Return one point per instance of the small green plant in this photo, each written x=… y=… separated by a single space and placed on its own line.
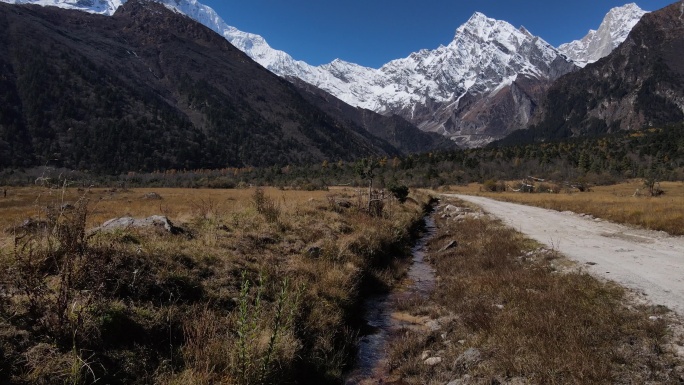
x=254 y=363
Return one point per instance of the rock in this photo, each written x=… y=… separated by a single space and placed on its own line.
x=433 y=325
x=152 y=196
x=448 y=246
x=461 y=381
x=432 y=361
x=29 y=226
x=156 y=221
x=468 y=359
x=451 y=208
x=425 y=355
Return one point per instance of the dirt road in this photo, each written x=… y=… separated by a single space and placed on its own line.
x=649 y=262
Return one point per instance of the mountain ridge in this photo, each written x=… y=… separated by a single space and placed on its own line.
x=472 y=99
x=113 y=94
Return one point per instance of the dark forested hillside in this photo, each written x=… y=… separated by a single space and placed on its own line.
x=150 y=89
x=640 y=84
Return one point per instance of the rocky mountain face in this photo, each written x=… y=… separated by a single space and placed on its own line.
x=597 y=44
x=641 y=83
x=149 y=88
x=394 y=129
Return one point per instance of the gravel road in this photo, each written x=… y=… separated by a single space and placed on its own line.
x=649 y=262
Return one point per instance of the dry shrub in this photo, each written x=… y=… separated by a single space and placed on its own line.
x=266 y=206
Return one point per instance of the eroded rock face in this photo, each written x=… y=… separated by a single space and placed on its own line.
x=638 y=85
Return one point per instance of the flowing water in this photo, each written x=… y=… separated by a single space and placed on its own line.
x=379 y=310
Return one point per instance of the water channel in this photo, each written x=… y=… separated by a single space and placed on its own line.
x=379 y=310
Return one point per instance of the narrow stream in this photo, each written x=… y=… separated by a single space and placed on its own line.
x=420 y=280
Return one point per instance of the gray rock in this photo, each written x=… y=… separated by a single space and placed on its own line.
x=152 y=196
x=461 y=381
x=468 y=359
x=29 y=226
x=153 y=222
x=432 y=361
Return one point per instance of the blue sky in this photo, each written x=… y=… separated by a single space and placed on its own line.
x=373 y=32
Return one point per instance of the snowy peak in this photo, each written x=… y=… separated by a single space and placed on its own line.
x=485 y=29
x=616 y=26
x=103 y=7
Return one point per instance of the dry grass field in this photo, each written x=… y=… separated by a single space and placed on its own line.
x=256 y=286
x=616 y=203
x=509 y=312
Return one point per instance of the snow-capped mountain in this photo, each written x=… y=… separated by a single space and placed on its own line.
x=103 y=7
x=599 y=43
x=480 y=87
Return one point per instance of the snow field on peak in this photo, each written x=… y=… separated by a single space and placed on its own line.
x=614 y=29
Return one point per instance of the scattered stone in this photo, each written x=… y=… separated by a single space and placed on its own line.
x=425 y=355
x=461 y=381
x=433 y=325
x=468 y=359
x=499 y=306
x=448 y=246
x=152 y=196
x=433 y=361
x=654 y=318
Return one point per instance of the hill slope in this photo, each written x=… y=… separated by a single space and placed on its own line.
x=150 y=89
x=640 y=84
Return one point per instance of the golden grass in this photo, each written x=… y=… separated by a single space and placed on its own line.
x=616 y=203
x=177 y=203
x=174 y=309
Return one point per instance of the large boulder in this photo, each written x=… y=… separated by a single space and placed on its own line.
x=157 y=222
